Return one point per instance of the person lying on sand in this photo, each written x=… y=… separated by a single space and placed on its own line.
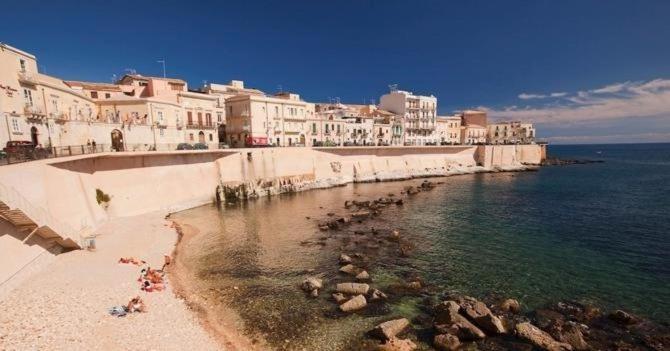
x=147 y=286
x=136 y=305
x=167 y=262
x=131 y=260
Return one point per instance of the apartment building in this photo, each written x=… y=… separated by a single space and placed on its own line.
x=473 y=127
x=419 y=115
x=513 y=132
x=260 y=120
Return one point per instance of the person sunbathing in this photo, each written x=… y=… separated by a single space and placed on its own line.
x=131 y=260
x=168 y=260
x=136 y=305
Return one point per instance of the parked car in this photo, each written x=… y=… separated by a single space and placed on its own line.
x=200 y=146
x=184 y=146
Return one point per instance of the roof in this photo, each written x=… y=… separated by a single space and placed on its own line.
x=141 y=77
x=93 y=85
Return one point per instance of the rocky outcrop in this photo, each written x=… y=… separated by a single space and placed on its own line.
x=345 y=259
x=396 y=344
x=540 y=338
x=312 y=285
x=390 y=329
x=448 y=320
x=348 y=269
x=355 y=303
x=352 y=288
x=510 y=305
x=446 y=342
x=622 y=317
x=482 y=316
x=363 y=275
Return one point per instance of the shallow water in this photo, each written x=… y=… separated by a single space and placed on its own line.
x=596 y=233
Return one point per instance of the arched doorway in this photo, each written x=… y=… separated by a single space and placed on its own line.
x=117 y=140
x=201 y=137
x=302 y=140
x=222 y=133
x=34 y=135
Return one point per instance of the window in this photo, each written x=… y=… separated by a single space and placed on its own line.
x=208 y=119
x=211 y=138
x=162 y=132
x=143 y=84
x=108 y=95
x=314 y=128
x=160 y=117
x=28 y=95
x=94 y=94
x=54 y=104
x=175 y=86
x=200 y=118
x=276 y=111
x=189 y=118
x=219 y=117
x=22 y=62
x=190 y=136
x=15 y=126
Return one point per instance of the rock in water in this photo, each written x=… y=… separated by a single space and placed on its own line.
x=344 y=259
x=377 y=295
x=339 y=298
x=348 y=269
x=483 y=317
x=446 y=342
x=356 y=303
x=352 y=288
x=363 y=275
x=447 y=319
x=540 y=338
x=510 y=305
x=396 y=344
x=571 y=333
x=311 y=283
x=622 y=317
x=390 y=329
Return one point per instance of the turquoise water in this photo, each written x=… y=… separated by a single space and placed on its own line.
x=595 y=233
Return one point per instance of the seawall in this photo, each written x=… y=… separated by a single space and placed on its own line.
x=63 y=191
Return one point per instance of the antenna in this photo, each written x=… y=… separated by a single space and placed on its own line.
x=162 y=62
x=393 y=87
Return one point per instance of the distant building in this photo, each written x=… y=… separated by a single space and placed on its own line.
x=418 y=112
x=513 y=132
x=473 y=127
x=448 y=130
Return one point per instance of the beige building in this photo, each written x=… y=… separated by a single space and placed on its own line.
x=473 y=127
x=260 y=120
x=419 y=115
x=513 y=132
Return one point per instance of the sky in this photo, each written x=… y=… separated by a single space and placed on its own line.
x=583 y=71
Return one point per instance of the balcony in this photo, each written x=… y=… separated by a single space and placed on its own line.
x=200 y=126
x=33 y=112
x=27 y=78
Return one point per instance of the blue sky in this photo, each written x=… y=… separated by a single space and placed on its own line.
x=584 y=71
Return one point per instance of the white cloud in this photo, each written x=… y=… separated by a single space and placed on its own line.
x=620 y=100
x=555 y=95
x=525 y=96
x=610 y=138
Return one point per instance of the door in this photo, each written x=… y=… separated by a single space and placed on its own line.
x=222 y=133
x=201 y=137
x=117 y=140
x=34 y=136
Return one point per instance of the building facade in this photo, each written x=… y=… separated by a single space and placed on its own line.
x=419 y=115
x=513 y=132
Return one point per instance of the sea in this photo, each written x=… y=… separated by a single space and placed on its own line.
x=596 y=233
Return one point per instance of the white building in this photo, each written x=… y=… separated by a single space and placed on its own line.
x=419 y=115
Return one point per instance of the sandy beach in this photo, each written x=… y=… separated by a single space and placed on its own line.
x=64 y=306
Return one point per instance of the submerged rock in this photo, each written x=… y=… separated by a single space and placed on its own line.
x=446 y=342
x=352 y=288
x=355 y=303
x=571 y=333
x=390 y=329
x=510 y=305
x=483 y=317
x=363 y=275
x=344 y=259
x=540 y=338
x=348 y=269
x=622 y=317
x=396 y=344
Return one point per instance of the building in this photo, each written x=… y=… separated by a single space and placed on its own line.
x=418 y=112
x=513 y=132
x=261 y=120
x=473 y=127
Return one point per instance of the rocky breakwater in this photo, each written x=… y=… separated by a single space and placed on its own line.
x=453 y=321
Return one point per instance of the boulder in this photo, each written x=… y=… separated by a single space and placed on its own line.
x=355 y=303
x=348 y=269
x=415 y=285
x=448 y=320
x=339 y=298
x=571 y=333
x=622 y=317
x=360 y=214
x=390 y=329
x=377 y=295
x=363 y=275
x=314 y=293
x=311 y=283
x=344 y=259
x=510 y=305
x=483 y=317
x=540 y=338
x=446 y=342
x=396 y=344
x=352 y=288
x=399 y=202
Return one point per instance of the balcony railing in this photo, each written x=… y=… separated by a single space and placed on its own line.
x=32 y=111
x=27 y=77
x=200 y=126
